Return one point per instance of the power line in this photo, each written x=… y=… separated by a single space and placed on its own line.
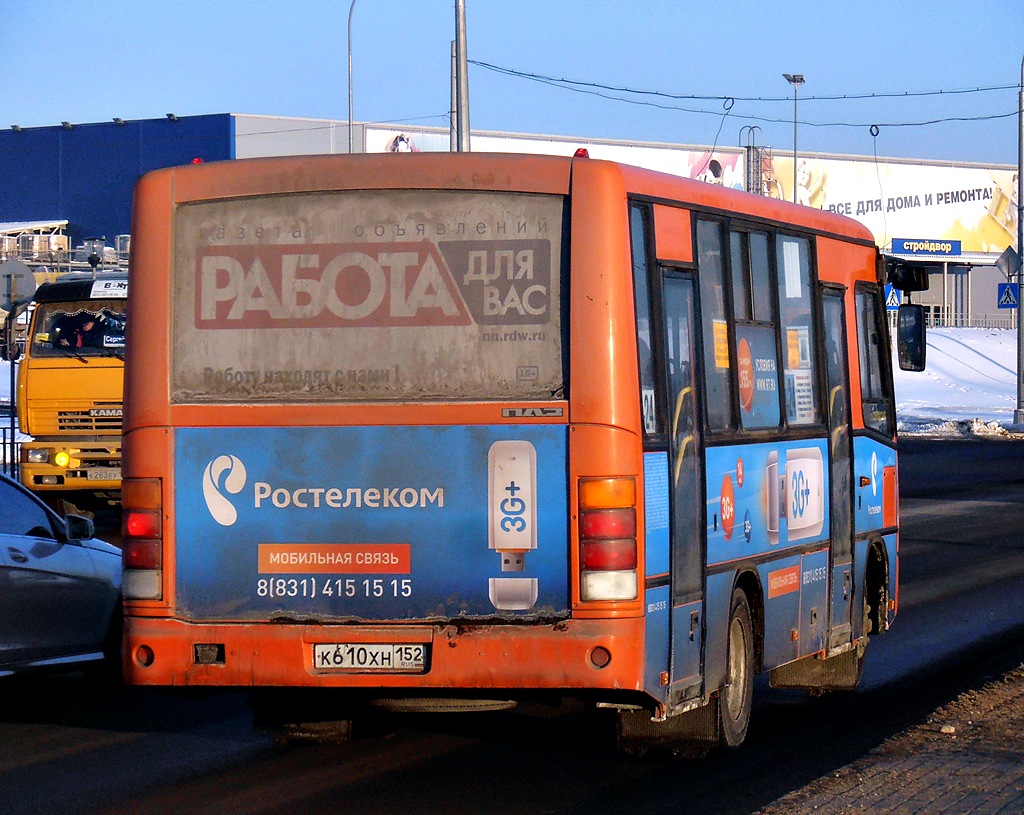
x=606 y=92
x=705 y=97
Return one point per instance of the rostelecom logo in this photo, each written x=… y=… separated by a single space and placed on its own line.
x=223 y=474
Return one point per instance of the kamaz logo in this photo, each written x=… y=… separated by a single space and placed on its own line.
x=105 y=413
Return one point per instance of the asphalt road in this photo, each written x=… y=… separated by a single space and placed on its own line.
x=69 y=746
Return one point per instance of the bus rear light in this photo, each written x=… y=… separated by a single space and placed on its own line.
x=608 y=543
x=142 y=552
x=608 y=523
x=615 y=554
x=596 y=586
x=141 y=523
x=141 y=493
x=604 y=493
x=139 y=584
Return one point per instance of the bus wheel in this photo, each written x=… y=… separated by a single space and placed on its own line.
x=737 y=696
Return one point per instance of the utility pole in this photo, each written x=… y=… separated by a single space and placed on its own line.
x=351 y=8
x=1018 y=414
x=462 y=78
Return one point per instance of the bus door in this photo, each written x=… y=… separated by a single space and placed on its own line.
x=687 y=529
x=841 y=467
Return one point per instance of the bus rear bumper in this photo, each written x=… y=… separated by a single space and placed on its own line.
x=577 y=654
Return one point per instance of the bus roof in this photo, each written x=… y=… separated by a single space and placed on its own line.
x=473 y=171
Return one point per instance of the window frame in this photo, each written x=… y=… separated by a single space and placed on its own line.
x=745 y=230
x=872 y=294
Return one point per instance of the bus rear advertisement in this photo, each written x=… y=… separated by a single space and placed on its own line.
x=443 y=432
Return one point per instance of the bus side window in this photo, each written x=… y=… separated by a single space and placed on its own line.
x=648 y=402
x=718 y=377
x=799 y=364
x=754 y=330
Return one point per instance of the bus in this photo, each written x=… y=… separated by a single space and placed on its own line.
x=461 y=431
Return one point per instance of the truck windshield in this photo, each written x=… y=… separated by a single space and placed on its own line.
x=82 y=327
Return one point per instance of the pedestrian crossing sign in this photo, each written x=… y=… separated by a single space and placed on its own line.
x=1006 y=295
x=893 y=298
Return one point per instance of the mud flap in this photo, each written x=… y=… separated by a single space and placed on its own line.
x=696 y=730
x=841 y=672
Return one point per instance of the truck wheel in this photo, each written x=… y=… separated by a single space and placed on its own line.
x=736 y=698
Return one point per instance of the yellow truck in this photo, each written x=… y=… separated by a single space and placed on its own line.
x=70 y=391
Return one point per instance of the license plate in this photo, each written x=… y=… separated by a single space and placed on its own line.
x=106 y=474
x=370 y=656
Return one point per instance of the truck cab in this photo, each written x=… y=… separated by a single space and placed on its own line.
x=70 y=386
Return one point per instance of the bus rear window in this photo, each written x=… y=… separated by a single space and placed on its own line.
x=369 y=296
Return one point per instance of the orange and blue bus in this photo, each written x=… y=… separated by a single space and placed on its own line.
x=456 y=431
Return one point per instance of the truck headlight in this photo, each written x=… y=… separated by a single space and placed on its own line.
x=61 y=459
x=37 y=455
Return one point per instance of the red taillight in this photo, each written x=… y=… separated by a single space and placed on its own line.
x=615 y=554
x=142 y=554
x=140 y=523
x=608 y=523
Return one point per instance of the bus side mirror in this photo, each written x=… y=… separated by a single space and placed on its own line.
x=907 y=277
x=910 y=337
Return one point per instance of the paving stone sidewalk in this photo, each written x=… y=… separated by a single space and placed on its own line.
x=967 y=758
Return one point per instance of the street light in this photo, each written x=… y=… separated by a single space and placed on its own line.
x=796 y=80
x=351 y=8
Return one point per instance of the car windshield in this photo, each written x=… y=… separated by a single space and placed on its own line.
x=83 y=328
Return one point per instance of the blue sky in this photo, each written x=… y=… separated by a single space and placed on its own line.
x=91 y=60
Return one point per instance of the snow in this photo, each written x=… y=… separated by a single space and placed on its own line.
x=968 y=388
x=969 y=385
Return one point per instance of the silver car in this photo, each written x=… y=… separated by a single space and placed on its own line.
x=60 y=589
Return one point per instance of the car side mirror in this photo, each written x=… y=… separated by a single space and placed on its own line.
x=910 y=337
x=80 y=528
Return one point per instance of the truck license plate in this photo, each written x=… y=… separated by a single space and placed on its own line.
x=370 y=656
x=104 y=474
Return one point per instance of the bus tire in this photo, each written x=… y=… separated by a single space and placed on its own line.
x=736 y=697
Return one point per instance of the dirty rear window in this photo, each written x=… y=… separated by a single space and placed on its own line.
x=369 y=296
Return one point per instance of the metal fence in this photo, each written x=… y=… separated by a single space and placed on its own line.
x=10 y=450
x=937 y=317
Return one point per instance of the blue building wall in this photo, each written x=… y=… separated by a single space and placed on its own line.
x=86 y=175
